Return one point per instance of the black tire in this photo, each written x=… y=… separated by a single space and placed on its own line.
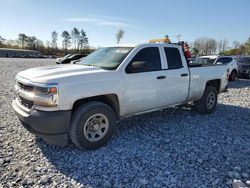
x=84 y=121
x=208 y=101
x=233 y=75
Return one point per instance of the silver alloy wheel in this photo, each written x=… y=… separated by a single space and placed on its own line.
x=96 y=127
x=211 y=100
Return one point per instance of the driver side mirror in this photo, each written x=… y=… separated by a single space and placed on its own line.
x=136 y=66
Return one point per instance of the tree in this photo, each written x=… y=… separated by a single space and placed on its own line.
x=54 y=36
x=247 y=46
x=222 y=45
x=75 y=35
x=119 y=35
x=1 y=41
x=48 y=44
x=66 y=40
x=236 y=44
x=33 y=43
x=83 y=40
x=195 y=51
x=11 y=43
x=23 y=39
x=205 y=46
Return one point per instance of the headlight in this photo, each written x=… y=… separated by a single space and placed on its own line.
x=42 y=96
x=45 y=96
x=45 y=90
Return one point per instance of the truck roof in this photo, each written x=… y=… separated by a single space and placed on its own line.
x=122 y=45
x=143 y=43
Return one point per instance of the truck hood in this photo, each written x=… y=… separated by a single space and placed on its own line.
x=48 y=73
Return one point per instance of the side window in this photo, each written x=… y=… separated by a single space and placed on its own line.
x=224 y=60
x=173 y=58
x=219 y=60
x=227 y=60
x=147 y=59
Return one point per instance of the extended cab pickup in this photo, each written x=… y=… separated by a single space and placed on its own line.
x=82 y=102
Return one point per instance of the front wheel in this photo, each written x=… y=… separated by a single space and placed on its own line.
x=93 y=124
x=208 y=101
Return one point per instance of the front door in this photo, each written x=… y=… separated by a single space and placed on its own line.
x=144 y=82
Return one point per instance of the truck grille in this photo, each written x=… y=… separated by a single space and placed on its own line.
x=25 y=87
x=26 y=103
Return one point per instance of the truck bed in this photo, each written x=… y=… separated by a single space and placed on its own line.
x=199 y=75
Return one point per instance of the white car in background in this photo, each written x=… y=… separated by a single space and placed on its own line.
x=216 y=59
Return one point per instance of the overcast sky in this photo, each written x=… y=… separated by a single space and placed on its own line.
x=140 y=19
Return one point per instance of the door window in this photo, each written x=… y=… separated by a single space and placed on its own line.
x=147 y=59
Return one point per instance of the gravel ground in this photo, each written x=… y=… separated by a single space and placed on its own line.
x=171 y=148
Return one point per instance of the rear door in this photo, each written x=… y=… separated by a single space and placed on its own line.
x=176 y=87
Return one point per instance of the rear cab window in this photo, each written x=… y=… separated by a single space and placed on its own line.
x=173 y=57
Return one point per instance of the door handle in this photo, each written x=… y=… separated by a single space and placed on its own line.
x=161 y=77
x=184 y=74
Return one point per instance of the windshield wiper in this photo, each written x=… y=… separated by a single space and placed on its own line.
x=88 y=65
x=92 y=65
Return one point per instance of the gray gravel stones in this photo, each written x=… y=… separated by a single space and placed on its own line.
x=238 y=184
x=175 y=147
x=45 y=180
x=143 y=181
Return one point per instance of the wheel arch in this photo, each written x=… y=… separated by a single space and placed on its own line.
x=111 y=100
x=215 y=83
x=235 y=70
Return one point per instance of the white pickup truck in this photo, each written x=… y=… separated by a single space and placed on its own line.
x=82 y=102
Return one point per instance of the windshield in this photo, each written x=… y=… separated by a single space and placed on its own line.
x=244 y=60
x=204 y=61
x=106 y=58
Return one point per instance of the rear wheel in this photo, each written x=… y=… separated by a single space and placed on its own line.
x=93 y=124
x=208 y=101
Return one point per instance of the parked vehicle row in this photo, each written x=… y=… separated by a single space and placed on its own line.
x=82 y=102
x=69 y=58
x=33 y=56
x=58 y=60
x=76 y=61
x=244 y=67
